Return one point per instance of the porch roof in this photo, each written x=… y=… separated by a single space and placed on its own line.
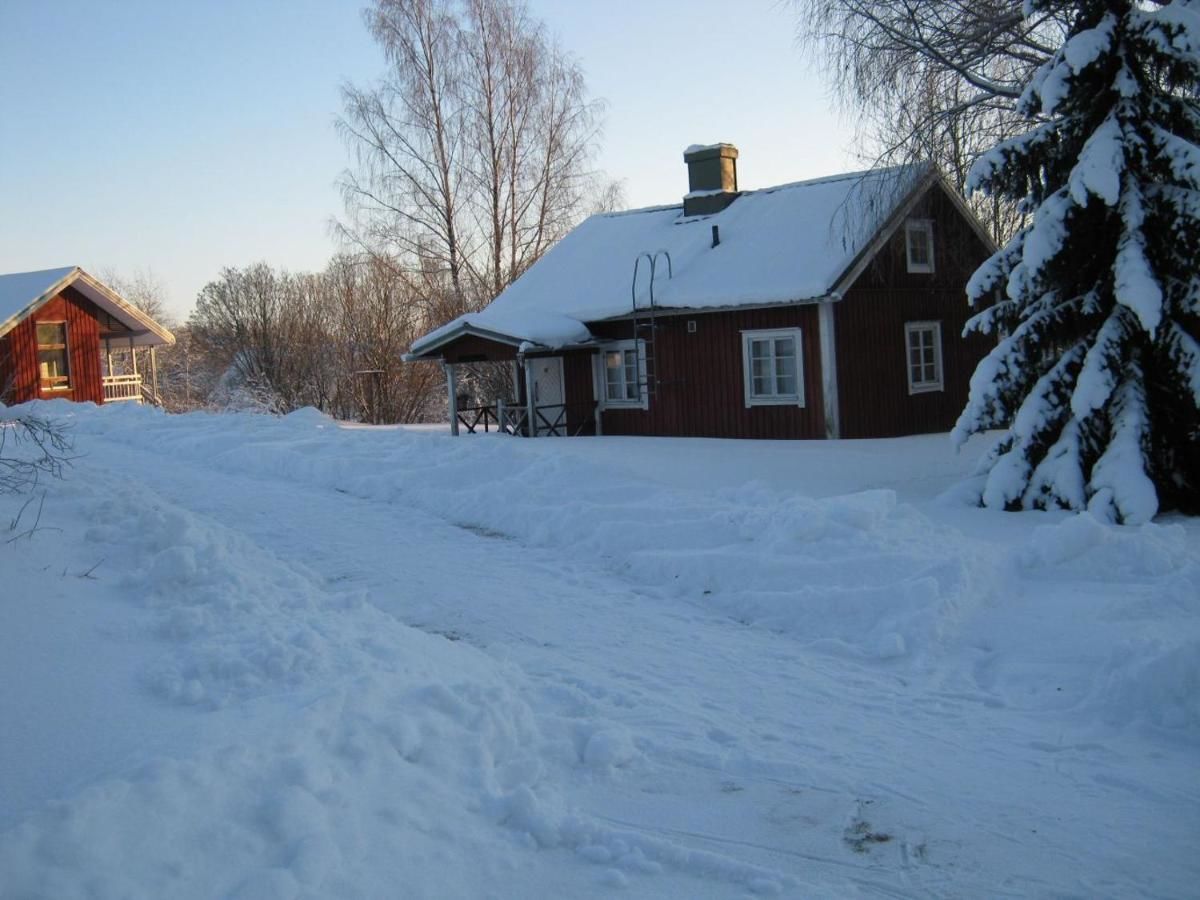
x=22 y=293
x=554 y=332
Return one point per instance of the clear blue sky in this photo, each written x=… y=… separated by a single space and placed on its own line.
x=183 y=137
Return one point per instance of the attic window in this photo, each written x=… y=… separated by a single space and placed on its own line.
x=54 y=368
x=918 y=241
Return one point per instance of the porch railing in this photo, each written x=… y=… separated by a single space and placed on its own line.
x=118 y=388
x=472 y=417
x=551 y=420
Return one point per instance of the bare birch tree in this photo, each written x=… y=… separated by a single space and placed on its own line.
x=932 y=79
x=144 y=289
x=472 y=153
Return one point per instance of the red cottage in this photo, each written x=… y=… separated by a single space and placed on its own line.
x=824 y=308
x=64 y=334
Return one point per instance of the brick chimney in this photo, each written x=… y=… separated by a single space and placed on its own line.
x=712 y=178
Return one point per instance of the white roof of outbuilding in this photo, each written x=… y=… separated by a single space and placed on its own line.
x=21 y=293
x=787 y=244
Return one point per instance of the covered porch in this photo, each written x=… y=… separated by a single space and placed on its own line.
x=527 y=390
x=129 y=364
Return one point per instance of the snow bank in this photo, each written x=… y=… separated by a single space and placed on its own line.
x=1082 y=545
x=280 y=737
x=861 y=572
x=1139 y=587
x=332 y=738
x=341 y=753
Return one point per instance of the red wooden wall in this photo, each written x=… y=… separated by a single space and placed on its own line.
x=6 y=372
x=700 y=389
x=869 y=328
x=83 y=344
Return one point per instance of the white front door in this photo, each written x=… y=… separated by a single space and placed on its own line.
x=549 y=395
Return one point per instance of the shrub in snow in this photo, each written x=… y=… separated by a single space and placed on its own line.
x=1097 y=375
x=31 y=446
x=237 y=392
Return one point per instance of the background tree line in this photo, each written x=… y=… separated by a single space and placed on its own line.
x=269 y=340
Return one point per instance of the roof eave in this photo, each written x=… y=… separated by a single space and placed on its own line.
x=701 y=310
x=124 y=308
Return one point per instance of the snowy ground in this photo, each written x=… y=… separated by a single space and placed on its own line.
x=258 y=657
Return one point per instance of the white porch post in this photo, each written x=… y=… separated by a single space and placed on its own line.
x=829 y=383
x=133 y=355
x=530 y=402
x=154 y=373
x=452 y=396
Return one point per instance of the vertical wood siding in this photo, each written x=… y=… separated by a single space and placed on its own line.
x=700 y=390
x=6 y=372
x=83 y=347
x=578 y=375
x=869 y=327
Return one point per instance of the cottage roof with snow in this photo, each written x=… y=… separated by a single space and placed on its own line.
x=793 y=243
x=22 y=293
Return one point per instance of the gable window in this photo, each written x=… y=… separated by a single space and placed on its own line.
x=924 y=344
x=54 y=367
x=918 y=242
x=772 y=363
x=622 y=373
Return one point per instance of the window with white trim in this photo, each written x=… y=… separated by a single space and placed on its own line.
x=923 y=341
x=918 y=243
x=773 y=369
x=622 y=373
x=54 y=360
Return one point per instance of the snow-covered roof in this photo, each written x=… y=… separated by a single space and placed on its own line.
x=785 y=244
x=21 y=293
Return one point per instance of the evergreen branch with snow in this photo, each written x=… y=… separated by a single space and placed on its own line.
x=1096 y=381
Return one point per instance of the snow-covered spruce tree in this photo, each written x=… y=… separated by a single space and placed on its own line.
x=1096 y=376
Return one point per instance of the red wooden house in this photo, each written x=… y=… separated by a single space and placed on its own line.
x=825 y=308
x=63 y=334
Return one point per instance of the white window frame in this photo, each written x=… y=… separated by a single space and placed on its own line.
x=922 y=226
x=57 y=383
x=924 y=387
x=796 y=399
x=601 y=375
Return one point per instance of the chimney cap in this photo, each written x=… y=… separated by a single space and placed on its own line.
x=708 y=151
